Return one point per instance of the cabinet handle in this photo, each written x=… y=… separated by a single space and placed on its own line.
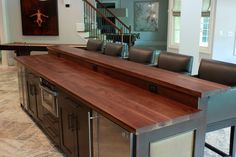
x=48 y=90
x=74 y=123
x=32 y=89
x=75 y=104
x=69 y=118
x=89 y=131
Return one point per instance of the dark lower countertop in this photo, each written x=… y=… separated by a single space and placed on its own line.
x=14 y=45
x=131 y=107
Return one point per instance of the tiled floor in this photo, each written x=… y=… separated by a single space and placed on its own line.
x=20 y=137
x=219 y=139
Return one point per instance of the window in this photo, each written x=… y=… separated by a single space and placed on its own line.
x=175 y=17
x=176 y=21
x=204 y=33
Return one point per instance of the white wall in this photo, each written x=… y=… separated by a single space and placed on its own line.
x=3 y=31
x=68 y=17
x=225 y=31
x=189 y=36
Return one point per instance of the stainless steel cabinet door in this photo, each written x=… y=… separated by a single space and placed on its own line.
x=109 y=139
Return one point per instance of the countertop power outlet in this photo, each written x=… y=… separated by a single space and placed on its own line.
x=153 y=88
x=95 y=67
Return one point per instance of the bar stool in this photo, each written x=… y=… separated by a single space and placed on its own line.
x=94 y=45
x=221 y=109
x=175 y=62
x=140 y=56
x=113 y=49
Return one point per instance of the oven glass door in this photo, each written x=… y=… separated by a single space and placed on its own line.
x=49 y=101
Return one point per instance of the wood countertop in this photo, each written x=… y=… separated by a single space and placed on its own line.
x=131 y=107
x=179 y=82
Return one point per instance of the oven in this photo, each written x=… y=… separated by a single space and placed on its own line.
x=49 y=96
x=48 y=110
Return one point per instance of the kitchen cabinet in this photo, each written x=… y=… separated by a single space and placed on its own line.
x=109 y=139
x=33 y=94
x=50 y=124
x=74 y=123
x=40 y=114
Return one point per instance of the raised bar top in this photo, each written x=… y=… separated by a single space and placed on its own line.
x=179 y=82
x=131 y=107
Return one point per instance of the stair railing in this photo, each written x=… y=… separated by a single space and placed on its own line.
x=98 y=23
x=108 y=13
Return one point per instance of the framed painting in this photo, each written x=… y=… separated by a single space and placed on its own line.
x=39 y=17
x=146 y=15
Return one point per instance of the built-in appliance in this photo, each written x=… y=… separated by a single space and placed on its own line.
x=49 y=96
x=109 y=139
x=48 y=112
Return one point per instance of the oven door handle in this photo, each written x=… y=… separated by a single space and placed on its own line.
x=48 y=90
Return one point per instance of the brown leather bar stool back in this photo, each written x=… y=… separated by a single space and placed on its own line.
x=175 y=62
x=94 y=45
x=113 y=49
x=217 y=71
x=140 y=55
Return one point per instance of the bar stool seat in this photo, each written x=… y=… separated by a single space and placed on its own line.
x=94 y=45
x=175 y=62
x=221 y=108
x=140 y=55
x=113 y=49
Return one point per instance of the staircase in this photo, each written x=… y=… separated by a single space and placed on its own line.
x=101 y=23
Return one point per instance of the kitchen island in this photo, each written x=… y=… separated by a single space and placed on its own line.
x=105 y=106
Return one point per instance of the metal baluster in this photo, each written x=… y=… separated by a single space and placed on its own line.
x=89 y=20
x=85 y=14
x=99 y=25
x=95 y=25
x=92 y=24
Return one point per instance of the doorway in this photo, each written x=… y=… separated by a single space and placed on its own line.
x=102 y=24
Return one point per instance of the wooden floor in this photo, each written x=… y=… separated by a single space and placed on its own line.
x=20 y=137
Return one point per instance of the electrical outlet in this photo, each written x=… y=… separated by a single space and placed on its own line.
x=153 y=88
x=67 y=3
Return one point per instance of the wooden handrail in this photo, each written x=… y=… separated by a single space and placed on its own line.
x=104 y=17
x=113 y=15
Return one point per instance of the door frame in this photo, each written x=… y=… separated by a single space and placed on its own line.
x=3 y=32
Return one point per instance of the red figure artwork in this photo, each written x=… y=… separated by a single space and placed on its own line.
x=39 y=17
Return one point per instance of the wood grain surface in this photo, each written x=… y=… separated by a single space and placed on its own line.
x=127 y=105
x=174 y=81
